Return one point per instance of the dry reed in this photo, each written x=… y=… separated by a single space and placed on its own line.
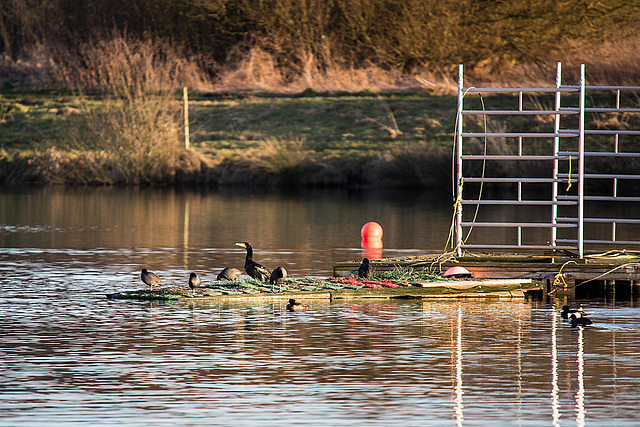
x=134 y=136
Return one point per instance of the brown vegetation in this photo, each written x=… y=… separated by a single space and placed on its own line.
x=139 y=52
x=326 y=46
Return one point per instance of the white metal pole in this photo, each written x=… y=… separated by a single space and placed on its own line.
x=556 y=150
x=458 y=194
x=520 y=108
x=581 y=165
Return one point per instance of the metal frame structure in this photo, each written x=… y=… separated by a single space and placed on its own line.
x=573 y=161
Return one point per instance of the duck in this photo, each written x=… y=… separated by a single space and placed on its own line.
x=277 y=277
x=229 y=273
x=253 y=269
x=578 y=319
x=194 y=282
x=149 y=278
x=567 y=311
x=365 y=269
x=295 y=306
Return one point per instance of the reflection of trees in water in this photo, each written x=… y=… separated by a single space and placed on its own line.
x=173 y=232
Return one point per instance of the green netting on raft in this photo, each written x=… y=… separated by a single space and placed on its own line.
x=390 y=279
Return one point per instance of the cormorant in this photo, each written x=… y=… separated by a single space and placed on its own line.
x=277 y=277
x=253 y=269
x=229 y=273
x=296 y=306
x=194 y=282
x=149 y=278
x=364 y=269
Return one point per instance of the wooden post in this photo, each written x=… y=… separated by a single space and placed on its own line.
x=610 y=290
x=187 y=143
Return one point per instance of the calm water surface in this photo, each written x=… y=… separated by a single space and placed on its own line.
x=70 y=356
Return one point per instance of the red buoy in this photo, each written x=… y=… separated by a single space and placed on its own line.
x=371 y=231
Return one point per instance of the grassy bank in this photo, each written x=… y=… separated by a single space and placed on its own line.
x=390 y=139
x=369 y=139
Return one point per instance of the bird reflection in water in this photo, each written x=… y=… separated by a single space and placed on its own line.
x=580 y=412
x=555 y=405
x=580 y=393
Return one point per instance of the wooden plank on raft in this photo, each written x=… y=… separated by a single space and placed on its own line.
x=468 y=284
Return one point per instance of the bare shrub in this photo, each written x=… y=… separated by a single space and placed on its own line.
x=258 y=69
x=278 y=156
x=126 y=64
x=134 y=142
x=134 y=136
x=280 y=161
x=253 y=70
x=414 y=164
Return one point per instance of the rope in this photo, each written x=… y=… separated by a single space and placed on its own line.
x=458 y=200
x=609 y=272
x=559 y=278
x=484 y=164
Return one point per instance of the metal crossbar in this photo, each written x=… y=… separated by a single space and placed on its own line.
x=566 y=179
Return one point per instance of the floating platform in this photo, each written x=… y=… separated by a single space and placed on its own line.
x=340 y=289
x=556 y=272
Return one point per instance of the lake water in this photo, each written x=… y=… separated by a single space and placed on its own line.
x=70 y=356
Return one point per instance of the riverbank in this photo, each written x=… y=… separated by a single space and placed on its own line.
x=394 y=139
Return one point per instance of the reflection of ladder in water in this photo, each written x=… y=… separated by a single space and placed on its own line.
x=565 y=232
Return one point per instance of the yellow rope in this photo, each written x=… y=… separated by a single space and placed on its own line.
x=609 y=272
x=458 y=201
x=569 y=175
x=559 y=278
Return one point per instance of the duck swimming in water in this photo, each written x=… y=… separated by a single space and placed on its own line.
x=277 y=278
x=578 y=319
x=253 y=269
x=229 y=273
x=567 y=311
x=194 y=282
x=149 y=278
x=295 y=306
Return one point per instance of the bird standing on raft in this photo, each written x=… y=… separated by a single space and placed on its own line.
x=253 y=269
x=277 y=277
x=149 y=278
x=365 y=269
x=229 y=273
x=295 y=306
x=194 y=282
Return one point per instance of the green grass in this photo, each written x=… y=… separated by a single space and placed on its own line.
x=390 y=139
x=407 y=275
x=331 y=125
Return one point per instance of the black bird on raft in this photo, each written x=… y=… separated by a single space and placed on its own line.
x=295 y=306
x=578 y=319
x=194 y=282
x=149 y=278
x=229 y=273
x=277 y=277
x=365 y=269
x=253 y=269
